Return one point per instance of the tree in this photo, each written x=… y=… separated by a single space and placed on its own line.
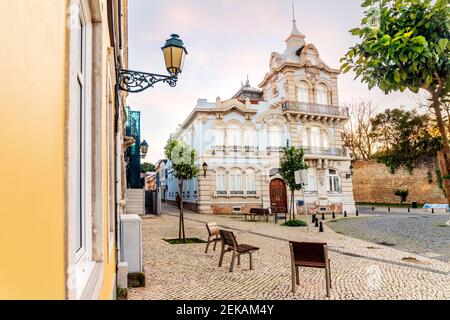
x=405 y=45
x=147 y=167
x=184 y=168
x=358 y=135
x=405 y=138
x=290 y=162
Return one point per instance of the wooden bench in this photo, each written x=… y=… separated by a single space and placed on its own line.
x=213 y=235
x=259 y=212
x=279 y=213
x=228 y=239
x=312 y=255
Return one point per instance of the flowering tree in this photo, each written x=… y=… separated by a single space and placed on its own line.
x=183 y=164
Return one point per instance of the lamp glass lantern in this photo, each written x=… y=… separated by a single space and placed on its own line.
x=144 y=148
x=349 y=175
x=205 y=168
x=174 y=55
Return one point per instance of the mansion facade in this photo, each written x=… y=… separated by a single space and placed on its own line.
x=240 y=140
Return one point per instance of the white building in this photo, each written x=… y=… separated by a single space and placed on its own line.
x=240 y=139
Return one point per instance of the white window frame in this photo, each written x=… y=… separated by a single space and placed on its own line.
x=236 y=181
x=275 y=136
x=80 y=259
x=334 y=181
x=303 y=92
x=312 y=180
x=250 y=181
x=220 y=182
x=322 y=94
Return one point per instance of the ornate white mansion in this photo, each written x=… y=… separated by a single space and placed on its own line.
x=240 y=139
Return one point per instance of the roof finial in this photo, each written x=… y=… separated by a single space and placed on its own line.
x=248 y=81
x=293 y=13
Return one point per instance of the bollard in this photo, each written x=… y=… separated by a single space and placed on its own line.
x=373 y=208
x=317 y=223
x=432 y=210
x=321 y=227
x=357 y=213
x=323 y=216
x=389 y=209
x=314 y=218
x=334 y=215
x=345 y=214
x=409 y=209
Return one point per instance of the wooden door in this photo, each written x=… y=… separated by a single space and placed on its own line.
x=278 y=196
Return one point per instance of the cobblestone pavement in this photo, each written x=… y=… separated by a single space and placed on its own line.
x=360 y=270
x=417 y=232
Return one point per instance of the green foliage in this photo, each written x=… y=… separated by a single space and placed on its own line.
x=183 y=159
x=291 y=161
x=295 y=223
x=406 y=138
x=147 y=167
x=404 y=44
x=402 y=193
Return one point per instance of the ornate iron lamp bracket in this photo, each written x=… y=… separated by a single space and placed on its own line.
x=136 y=81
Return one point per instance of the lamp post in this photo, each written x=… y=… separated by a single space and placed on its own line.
x=349 y=175
x=205 y=169
x=144 y=149
x=137 y=81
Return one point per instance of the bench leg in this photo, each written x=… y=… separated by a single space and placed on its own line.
x=221 y=255
x=329 y=273
x=293 y=276
x=251 y=261
x=328 y=281
x=232 y=262
x=215 y=243
x=297 y=275
x=207 y=246
x=239 y=259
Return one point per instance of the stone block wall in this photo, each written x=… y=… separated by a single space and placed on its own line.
x=373 y=182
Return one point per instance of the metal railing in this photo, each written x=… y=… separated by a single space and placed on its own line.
x=314 y=108
x=339 y=152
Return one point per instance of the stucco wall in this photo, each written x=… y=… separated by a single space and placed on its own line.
x=373 y=182
x=32 y=113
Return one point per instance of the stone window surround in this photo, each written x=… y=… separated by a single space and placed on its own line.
x=312 y=89
x=244 y=172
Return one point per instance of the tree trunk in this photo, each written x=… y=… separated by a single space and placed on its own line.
x=444 y=164
x=292 y=204
x=181 y=233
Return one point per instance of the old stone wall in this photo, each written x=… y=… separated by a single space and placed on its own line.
x=373 y=182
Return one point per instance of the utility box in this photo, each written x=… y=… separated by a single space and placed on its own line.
x=131 y=241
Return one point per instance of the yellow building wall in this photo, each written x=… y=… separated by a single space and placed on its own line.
x=32 y=147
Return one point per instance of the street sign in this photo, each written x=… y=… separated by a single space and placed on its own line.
x=301 y=177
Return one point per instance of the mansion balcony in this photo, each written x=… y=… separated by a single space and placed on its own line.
x=256 y=151
x=314 y=110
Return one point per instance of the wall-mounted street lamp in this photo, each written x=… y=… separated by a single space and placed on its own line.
x=205 y=169
x=144 y=149
x=174 y=56
x=349 y=175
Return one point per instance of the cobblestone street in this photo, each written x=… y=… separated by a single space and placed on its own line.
x=418 y=232
x=360 y=270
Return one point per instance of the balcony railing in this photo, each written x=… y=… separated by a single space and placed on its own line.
x=314 y=108
x=339 y=152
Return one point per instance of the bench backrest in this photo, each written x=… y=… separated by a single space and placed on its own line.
x=277 y=209
x=259 y=211
x=313 y=252
x=213 y=228
x=228 y=238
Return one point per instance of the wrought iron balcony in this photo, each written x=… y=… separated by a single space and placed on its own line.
x=314 y=108
x=338 y=152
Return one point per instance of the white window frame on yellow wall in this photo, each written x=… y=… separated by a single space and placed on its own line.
x=80 y=261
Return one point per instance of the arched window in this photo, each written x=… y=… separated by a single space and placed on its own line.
x=236 y=182
x=221 y=187
x=305 y=138
x=303 y=92
x=315 y=137
x=234 y=135
x=219 y=137
x=250 y=137
x=251 y=181
x=322 y=95
x=325 y=141
x=275 y=136
x=334 y=184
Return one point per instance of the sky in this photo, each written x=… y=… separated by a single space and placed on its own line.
x=226 y=40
